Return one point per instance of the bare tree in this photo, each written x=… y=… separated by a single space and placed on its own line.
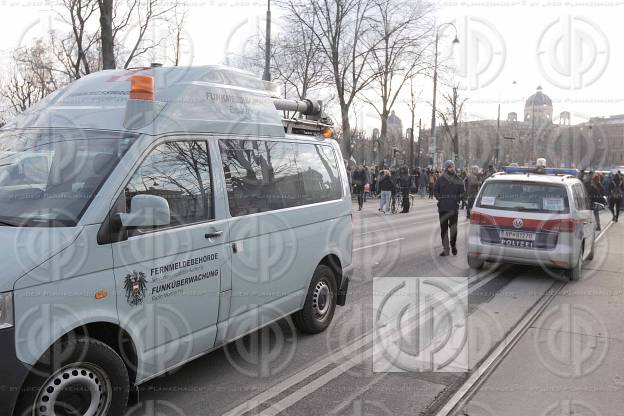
x=177 y=31
x=106 y=34
x=141 y=15
x=77 y=46
x=402 y=31
x=297 y=59
x=31 y=77
x=342 y=28
x=451 y=118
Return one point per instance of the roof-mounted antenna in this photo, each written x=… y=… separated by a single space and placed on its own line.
x=306 y=107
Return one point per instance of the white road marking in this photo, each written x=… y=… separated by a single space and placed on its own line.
x=274 y=391
x=314 y=385
x=378 y=244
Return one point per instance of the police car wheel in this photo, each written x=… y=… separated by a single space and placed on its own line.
x=92 y=380
x=320 y=303
x=576 y=273
x=590 y=256
x=475 y=263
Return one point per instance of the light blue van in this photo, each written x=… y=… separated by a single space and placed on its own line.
x=150 y=216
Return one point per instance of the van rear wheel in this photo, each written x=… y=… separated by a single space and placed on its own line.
x=92 y=380
x=320 y=303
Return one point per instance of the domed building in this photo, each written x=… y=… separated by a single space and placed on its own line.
x=538 y=108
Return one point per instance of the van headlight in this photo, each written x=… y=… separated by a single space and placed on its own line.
x=6 y=310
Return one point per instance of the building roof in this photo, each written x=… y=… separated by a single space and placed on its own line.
x=539 y=99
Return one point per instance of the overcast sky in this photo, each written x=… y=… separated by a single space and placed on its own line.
x=571 y=48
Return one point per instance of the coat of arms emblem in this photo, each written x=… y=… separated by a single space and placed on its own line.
x=135 y=285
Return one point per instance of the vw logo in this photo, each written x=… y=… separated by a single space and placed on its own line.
x=518 y=223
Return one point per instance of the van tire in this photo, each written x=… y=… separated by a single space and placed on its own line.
x=100 y=363
x=320 y=303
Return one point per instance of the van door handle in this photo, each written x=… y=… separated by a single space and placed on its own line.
x=214 y=234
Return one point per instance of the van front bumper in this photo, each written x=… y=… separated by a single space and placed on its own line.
x=347 y=272
x=13 y=371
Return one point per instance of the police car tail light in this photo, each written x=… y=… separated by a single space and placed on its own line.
x=478 y=218
x=561 y=226
x=142 y=87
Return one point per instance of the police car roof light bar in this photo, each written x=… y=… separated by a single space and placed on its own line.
x=545 y=171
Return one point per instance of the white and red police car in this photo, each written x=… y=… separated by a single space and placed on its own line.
x=534 y=216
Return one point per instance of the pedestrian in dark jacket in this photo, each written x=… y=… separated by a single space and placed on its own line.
x=448 y=190
x=616 y=194
x=405 y=182
x=359 y=180
x=596 y=196
x=472 y=186
x=386 y=186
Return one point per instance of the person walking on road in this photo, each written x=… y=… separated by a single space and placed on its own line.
x=616 y=193
x=596 y=195
x=405 y=182
x=359 y=180
x=472 y=185
x=386 y=186
x=448 y=190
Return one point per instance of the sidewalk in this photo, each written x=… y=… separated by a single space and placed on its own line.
x=571 y=360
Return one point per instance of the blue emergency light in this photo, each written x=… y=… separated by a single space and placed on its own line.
x=539 y=170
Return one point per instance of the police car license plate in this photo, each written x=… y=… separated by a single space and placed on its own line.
x=517 y=239
x=517 y=235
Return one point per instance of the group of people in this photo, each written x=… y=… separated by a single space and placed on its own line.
x=605 y=189
x=388 y=183
x=457 y=190
x=385 y=183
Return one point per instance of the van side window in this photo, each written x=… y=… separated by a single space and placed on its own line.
x=264 y=175
x=178 y=171
x=318 y=172
x=260 y=175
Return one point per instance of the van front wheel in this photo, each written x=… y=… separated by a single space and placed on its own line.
x=92 y=380
x=320 y=303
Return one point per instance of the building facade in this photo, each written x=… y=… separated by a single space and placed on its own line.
x=595 y=144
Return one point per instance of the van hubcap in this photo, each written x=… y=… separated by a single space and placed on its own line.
x=75 y=390
x=321 y=300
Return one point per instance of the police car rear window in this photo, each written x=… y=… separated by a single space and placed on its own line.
x=524 y=196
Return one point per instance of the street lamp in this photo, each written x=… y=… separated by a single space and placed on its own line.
x=267 y=48
x=498 y=142
x=435 y=85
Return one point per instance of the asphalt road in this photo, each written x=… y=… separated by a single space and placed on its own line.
x=341 y=372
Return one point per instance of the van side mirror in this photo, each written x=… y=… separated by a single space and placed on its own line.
x=146 y=211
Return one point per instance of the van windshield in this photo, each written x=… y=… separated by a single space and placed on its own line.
x=524 y=196
x=49 y=177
